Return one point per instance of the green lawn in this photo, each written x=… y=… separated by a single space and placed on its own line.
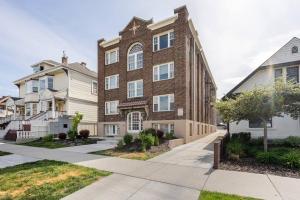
x=205 y=195
x=45 y=144
x=55 y=143
x=135 y=155
x=47 y=180
x=2 y=153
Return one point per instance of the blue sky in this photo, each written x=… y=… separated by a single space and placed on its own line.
x=237 y=36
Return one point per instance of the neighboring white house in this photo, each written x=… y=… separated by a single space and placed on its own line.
x=54 y=92
x=284 y=63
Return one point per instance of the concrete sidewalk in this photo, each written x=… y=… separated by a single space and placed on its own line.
x=177 y=174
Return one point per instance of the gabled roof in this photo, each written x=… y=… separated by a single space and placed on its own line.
x=136 y=19
x=82 y=69
x=280 y=57
x=50 y=62
x=78 y=67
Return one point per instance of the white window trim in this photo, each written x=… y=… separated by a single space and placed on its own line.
x=111 y=133
x=135 y=88
x=107 y=53
x=141 y=122
x=158 y=103
x=286 y=73
x=169 y=70
x=92 y=90
x=108 y=103
x=108 y=78
x=135 y=57
x=169 y=126
x=46 y=82
x=158 y=42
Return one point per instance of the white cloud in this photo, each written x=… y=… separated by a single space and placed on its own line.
x=26 y=40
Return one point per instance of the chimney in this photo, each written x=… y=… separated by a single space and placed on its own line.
x=83 y=64
x=64 y=59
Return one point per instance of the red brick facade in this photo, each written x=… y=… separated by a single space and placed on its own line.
x=192 y=85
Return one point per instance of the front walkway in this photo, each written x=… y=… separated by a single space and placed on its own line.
x=178 y=174
x=107 y=143
x=13 y=159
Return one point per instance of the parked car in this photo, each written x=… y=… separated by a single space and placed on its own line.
x=222 y=125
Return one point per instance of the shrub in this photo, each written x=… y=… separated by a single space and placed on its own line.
x=156 y=140
x=72 y=134
x=147 y=140
x=242 y=136
x=268 y=157
x=84 y=133
x=292 y=141
x=48 y=138
x=291 y=159
x=128 y=138
x=170 y=135
x=159 y=133
x=257 y=142
x=235 y=149
x=251 y=151
x=62 y=136
x=151 y=131
x=120 y=144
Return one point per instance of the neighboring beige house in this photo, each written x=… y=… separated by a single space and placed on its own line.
x=285 y=63
x=54 y=92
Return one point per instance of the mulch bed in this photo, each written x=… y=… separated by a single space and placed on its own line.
x=77 y=142
x=250 y=165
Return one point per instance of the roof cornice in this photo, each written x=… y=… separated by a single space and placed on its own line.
x=110 y=42
x=163 y=23
x=40 y=73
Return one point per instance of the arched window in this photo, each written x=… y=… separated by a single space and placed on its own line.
x=134 y=122
x=294 y=49
x=135 y=57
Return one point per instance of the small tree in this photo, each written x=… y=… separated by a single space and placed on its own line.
x=263 y=103
x=226 y=109
x=73 y=132
x=260 y=103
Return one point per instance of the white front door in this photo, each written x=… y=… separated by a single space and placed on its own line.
x=134 y=122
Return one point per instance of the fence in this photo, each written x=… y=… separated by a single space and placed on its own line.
x=92 y=127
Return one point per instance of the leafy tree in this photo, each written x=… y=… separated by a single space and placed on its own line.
x=73 y=132
x=226 y=109
x=263 y=103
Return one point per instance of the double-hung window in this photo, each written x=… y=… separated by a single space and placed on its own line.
x=163 y=103
x=163 y=71
x=292 y=74
x=46 y=83
x=166 y=128
x=32 y=86
x=94 y=87
x=112 y=82
x=278 y=73
x=258 y=123
x=111 y=107
x=111 y=129
x=163 y=40
x=112 y=56
x=135 y=89
x=135 y=57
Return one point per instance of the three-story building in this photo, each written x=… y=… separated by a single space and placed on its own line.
x=155 y=75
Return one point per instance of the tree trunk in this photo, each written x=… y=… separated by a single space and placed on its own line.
x=265 y=136
x=227 y=127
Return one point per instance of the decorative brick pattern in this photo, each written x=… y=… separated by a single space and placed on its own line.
x=192 y=86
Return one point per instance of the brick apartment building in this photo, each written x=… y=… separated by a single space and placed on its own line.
x=156 y=75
